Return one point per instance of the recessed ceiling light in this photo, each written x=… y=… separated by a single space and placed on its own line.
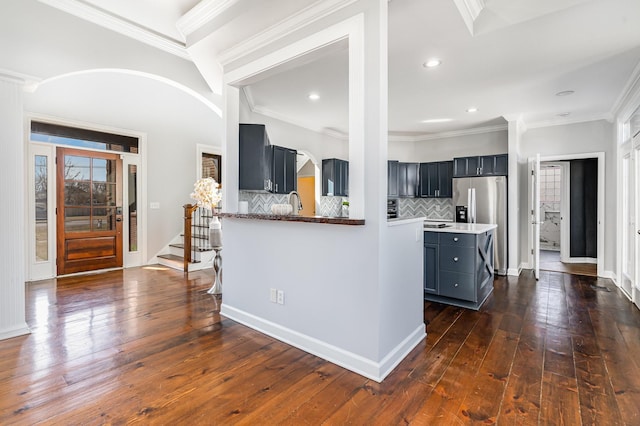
x=432 y=63
x=437 y=120
x=564 y=114
x=472 y=109
x=314 y=96
x=565 y=93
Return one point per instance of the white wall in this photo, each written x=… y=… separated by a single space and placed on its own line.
x=368 y=325
x=45 y=42
x=593 y=136
x=173 y=121
x=444 y=149
x=12 y=208
x=94 y=75
x=402 y=151
x=281 y=133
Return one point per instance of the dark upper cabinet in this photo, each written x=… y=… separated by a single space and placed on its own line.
x=495 y=165
x=486 y=165
x=262 y=166
x=408 y=179
x=255 y=158
x=335 y=177
x=284 y=172
x=445 y=182
x=435 y=179
x=392 y=178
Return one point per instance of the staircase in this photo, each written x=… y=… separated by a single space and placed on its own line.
x=193 y=244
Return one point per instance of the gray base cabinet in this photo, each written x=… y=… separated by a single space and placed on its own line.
x=458 y=268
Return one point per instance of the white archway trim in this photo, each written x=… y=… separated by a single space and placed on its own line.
x=208 y=103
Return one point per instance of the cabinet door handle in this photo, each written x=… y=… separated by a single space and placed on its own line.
x=455 y=285
x=276 y=187
x=455 y=259
x=455 y=239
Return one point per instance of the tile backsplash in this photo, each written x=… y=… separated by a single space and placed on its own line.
x=332 y=206
x=431 y=208
x=261 y=202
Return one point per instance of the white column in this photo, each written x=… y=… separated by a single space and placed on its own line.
x=12 y=211
x=515 y=130
x=231 y=149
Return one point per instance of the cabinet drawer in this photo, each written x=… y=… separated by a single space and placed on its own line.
x=431 y=237
x=458 y=259
x=457 y=285
x=455 y=239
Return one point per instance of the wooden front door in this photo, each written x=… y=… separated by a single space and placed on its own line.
x=89 y=210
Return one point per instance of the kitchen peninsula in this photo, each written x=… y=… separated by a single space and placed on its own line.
x=458 y=263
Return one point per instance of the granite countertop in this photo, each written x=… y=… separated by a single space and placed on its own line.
x=291 y=218
x=461 y=228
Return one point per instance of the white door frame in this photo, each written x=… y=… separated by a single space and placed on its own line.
x=39 y=270
x=635 y=172
x=535 y=214
x=205 y=149
x=601 y=206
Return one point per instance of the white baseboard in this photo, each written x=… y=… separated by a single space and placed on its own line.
x=514 y=272
x=18 y=330
x=608 y=274
x=358 y=364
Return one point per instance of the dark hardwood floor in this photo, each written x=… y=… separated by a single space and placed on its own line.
x=550 y=261
x=147 y=345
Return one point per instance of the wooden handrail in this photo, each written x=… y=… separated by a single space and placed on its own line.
x=188 y=215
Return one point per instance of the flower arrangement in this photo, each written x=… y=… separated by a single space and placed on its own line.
x=206 y=192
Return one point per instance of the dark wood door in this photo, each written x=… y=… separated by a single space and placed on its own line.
x=89 y=210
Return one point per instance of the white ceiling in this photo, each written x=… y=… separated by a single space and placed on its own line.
x=505 y=57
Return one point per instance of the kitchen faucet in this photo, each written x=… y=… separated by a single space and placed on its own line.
x=296 y=202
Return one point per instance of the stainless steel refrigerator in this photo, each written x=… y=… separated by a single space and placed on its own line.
x=486 y=201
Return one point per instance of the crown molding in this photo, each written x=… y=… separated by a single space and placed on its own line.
x=299 y=20
x=29 y=82
x=104 y=19
x=629 y=99
x=275 y=115
x=450 y=134
x=248 y=94
x=201 y=14
x=258 y=109
x=562 y=121
x=391 y=137
x=469 y=9
x=336 y=134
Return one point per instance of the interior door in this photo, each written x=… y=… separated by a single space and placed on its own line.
x=535 y=216
x=89 y=210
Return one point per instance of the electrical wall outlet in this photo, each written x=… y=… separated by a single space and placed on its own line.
x=273 y=295
x=437 y=207
x=280 y=297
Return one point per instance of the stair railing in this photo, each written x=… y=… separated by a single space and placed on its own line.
x=196 y=232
